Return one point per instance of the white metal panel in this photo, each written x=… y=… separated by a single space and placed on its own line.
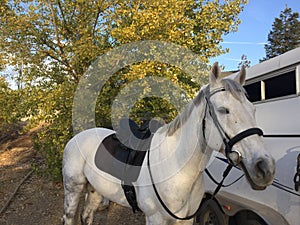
x=287 y=59
x=279 y=117
x=285 y=152
x=279 y=203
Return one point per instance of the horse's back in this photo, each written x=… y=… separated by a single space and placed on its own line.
x=81 y=148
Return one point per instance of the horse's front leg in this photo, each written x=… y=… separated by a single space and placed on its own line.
x=184 y=222
x=156 y=219
x=92 y=202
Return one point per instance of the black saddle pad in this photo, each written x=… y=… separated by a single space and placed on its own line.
x=117 y=159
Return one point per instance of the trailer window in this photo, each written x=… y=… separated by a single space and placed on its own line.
x=279 y=86
x=253 y=91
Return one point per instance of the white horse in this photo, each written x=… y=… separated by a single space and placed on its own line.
x=218 y=118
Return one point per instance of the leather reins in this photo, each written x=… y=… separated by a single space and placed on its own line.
x=228 y=142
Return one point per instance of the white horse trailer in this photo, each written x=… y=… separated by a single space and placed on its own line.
x=274 y=88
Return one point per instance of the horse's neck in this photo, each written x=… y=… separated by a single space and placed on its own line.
x=191 y=141
x=183 y=152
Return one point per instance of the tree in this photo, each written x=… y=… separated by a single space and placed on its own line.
x=56 y=41
x=198 y=25
x=244 y=62
x=285 y=34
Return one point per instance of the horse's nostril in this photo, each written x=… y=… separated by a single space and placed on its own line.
x=261 y=168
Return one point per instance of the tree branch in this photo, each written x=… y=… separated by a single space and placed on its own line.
x=96 y=21
x=15 y=192
x=65 y=25
x=54 y=24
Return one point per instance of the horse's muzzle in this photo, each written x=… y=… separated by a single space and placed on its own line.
x=263 y=173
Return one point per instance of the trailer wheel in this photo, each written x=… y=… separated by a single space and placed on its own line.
x=210 y=214
x=247 y=218
x=254 y=222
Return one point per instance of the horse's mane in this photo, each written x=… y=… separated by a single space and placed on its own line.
x=235 y=88
x=229 y=85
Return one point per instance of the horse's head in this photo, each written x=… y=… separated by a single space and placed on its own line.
x=230 y=127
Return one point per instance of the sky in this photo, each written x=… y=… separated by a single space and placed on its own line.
x=257 y=19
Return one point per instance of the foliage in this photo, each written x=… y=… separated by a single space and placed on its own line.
x=57 y=129
x=285 y=34
x=54 y=42
x=12 y=103
x=244 y=62
x=198 y=25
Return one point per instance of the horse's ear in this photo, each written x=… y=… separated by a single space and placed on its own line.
x=241 y=77
x=215 y=73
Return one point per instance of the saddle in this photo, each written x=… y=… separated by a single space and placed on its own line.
x=133 y=136
x=122 y=154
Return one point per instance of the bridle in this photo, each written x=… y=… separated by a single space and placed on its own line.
x=228 y=142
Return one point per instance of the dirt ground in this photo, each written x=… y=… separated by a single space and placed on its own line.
x=39 y=200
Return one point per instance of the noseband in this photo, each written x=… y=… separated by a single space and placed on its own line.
x=229 y=143
x=227 y=140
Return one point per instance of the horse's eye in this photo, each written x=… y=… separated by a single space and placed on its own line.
x=223 y=110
